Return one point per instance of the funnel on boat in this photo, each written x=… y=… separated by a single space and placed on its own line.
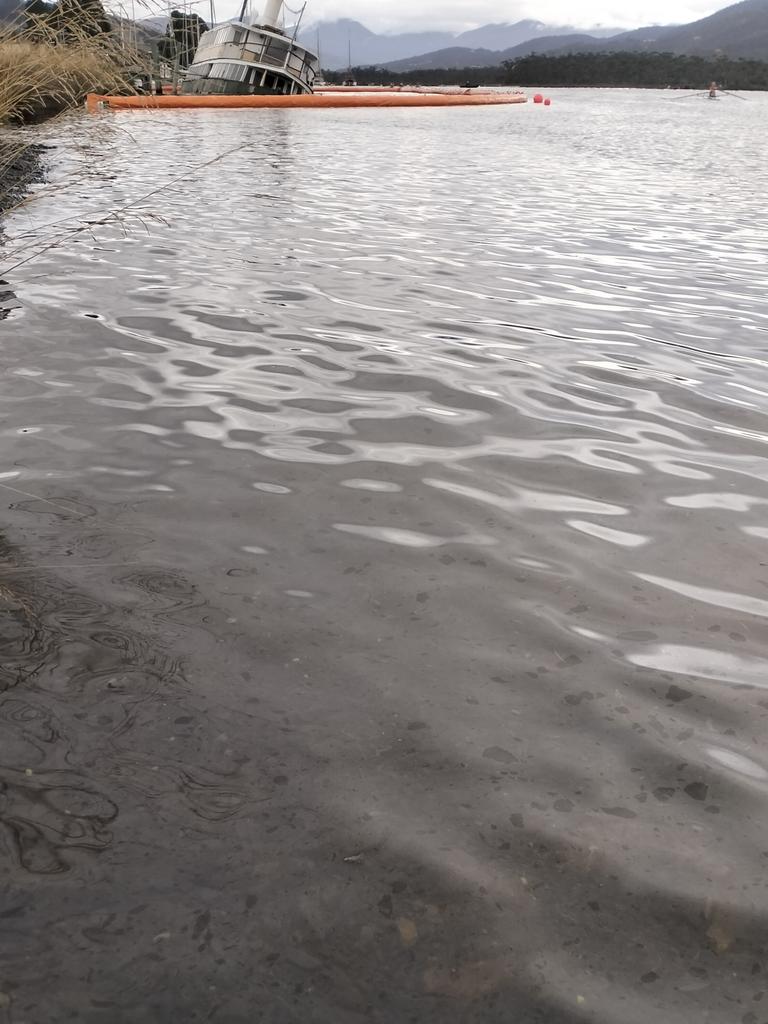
x=271 y=16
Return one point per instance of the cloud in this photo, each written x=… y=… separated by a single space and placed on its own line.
x=458 y=15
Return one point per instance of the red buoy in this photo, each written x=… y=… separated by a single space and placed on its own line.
x=547 y=103
x=538 y=98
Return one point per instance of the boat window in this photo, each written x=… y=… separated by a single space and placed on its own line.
x=198 y=70
x=231 y=72
x=295 y=63
x=252 y=50
x=277 y=52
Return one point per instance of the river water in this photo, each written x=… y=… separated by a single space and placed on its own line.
x=385 y=531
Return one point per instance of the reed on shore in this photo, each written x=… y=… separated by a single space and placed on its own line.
x=43 y=73
x=47 y=69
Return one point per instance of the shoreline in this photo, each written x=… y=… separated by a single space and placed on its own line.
x=20 y=167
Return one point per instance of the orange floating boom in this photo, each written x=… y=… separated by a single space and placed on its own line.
x=441 y=90
x=336 y=99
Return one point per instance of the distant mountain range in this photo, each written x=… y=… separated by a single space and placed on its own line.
x=461 y=57
x=344 y=41
x=158 y=23
x=740 y=30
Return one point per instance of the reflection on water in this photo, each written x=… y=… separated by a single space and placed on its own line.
x=384 y=580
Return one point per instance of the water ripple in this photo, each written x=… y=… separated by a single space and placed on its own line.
x=384 y=579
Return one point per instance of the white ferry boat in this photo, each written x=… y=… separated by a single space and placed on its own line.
x=251 y=60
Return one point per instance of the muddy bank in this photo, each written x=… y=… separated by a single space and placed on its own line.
x=20 y=167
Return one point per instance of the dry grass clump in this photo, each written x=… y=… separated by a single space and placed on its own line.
x=41 y=75
x=47 y=69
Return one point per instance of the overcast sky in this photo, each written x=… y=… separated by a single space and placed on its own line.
x=457 y=15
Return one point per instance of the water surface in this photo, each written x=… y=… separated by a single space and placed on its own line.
x=384 y=567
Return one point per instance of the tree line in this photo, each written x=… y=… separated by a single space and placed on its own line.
x=66 y=20
x=373 y=75
x=635 y=70
x=181 y=38
x=620 y=70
